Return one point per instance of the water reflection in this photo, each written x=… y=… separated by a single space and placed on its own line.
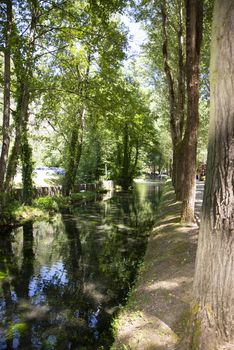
x=61 y=281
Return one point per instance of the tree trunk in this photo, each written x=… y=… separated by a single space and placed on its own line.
x=27 y=164
x=125 y=180
x=21 y=110
x=6 y=103
x=75 y=152
x=22 y=148
x=77 y=136
x=68 y=180
x=180 y=170
x=134 y=166
x=193 y=44
x=212 y=317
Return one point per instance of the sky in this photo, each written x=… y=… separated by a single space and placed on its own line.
x=136 y=36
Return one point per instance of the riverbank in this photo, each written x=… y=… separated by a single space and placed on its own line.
x=156 y=314
x=16 y=213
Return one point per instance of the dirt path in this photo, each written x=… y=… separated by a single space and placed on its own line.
x=156 y=315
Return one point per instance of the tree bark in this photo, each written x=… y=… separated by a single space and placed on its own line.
x=213 y=309
x=193 y=44
x=7 y=94
x=124 y=178
x=21 y=109
x=27 y=164
x=75 y=152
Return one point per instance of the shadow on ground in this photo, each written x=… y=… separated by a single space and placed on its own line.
x=157 y=311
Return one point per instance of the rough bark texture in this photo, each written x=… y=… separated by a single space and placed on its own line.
x=213 y=326
x=193 y=44
x=6 y=103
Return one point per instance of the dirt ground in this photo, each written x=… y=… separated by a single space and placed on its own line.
x=156 y=315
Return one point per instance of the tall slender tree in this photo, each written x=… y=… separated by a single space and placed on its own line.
x=7 y=94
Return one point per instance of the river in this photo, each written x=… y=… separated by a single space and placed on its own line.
x=61 y=281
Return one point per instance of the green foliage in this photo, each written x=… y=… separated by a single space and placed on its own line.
x=3 y=275
x=85 y=112
x=79 y=196
x=9 y=210
x=59 y=202
x=102 y=191
x=46 y=203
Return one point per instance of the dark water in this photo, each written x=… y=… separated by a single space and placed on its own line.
x=62 y=281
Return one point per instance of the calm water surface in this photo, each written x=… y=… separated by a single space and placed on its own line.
x=62 y=281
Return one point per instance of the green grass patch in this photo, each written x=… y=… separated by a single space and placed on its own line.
x=47 y=203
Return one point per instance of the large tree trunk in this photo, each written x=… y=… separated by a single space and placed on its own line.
x=193 y=44
x=213 y=310
x=6 y=104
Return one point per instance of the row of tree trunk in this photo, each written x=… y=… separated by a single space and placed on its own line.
x=184 y=130
x=211 y=324
x=212 y=320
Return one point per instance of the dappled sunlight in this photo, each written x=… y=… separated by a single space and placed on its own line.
x=169 y=285
x=159 y=305
x=143 y=331
x=32 y=311
x=167 y=228
x=94 y=292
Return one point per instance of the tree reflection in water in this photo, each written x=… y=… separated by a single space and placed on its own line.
x=61 y=281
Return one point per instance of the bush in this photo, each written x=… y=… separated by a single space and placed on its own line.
x=46 y=203
x=63 y=202
x=8 y=211
x=102 y=191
